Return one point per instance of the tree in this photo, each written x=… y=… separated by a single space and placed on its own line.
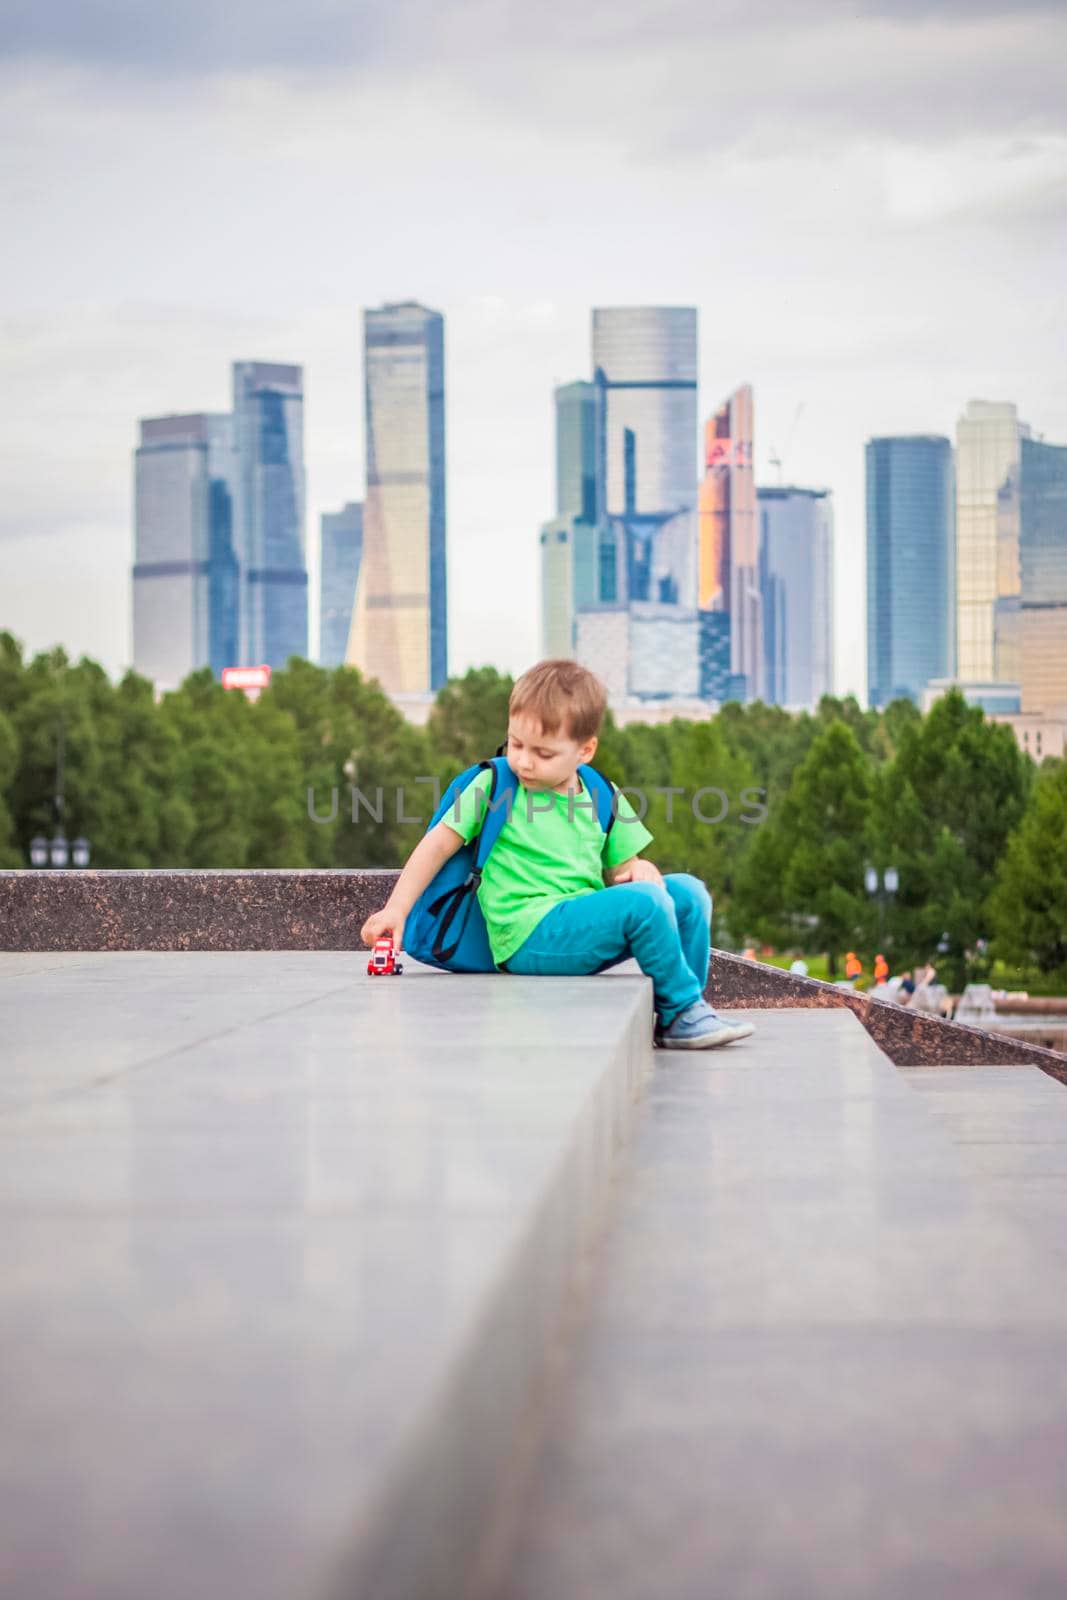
x=469 y=720
x=946 y=805
x=1028 y=907
x=9 y=755
x=811 y=853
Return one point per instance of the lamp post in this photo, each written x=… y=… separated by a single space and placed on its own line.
x=883 y=886
x=56 y=852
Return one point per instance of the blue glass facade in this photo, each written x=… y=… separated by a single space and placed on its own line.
x=340 y=551
x=911 y=565
x=268 y=409
x=400 y=627
x=796 y=584
x=1043 y=577
x=185 y=576
x=576 y=451
x=645 y=373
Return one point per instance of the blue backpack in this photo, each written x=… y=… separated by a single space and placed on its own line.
x=445 y=927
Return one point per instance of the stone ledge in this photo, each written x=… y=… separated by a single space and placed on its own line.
x=324 y=910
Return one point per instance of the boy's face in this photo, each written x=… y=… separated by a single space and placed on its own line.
x=543 y=760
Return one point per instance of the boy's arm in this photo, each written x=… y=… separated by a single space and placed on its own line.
x=633 y=871
x=421 y=867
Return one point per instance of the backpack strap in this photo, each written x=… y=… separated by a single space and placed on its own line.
x=448 y=905
x=603 y=796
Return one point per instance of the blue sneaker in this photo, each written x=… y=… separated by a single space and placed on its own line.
x=698 y=1027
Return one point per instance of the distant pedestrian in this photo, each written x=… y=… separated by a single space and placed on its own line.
x=853 y=966
x=881 y=969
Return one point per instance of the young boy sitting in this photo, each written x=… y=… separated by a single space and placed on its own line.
x=543 y=888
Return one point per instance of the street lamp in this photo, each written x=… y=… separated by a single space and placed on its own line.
x=884 y=886
x=57 y=852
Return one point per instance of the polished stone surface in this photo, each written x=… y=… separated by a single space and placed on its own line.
x=280 y=1249
x=819 y=1360
x=324 y=910
x=1009 y=1126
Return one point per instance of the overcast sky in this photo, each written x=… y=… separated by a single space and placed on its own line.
x=867 y=201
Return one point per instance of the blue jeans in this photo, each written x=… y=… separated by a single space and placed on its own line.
x=666 y=930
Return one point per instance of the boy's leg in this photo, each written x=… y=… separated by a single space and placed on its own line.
x=692 y=905
x=596 y=930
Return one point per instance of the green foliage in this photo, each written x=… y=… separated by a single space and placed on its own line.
x=945 y=807
x=802 y=880
x=9 y=759
x=1029 y=903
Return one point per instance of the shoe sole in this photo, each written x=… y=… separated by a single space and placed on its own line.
x=707 y=1041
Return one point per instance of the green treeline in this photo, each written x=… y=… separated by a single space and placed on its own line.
x=780 y=814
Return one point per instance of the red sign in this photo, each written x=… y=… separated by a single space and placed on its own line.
x=245 y=677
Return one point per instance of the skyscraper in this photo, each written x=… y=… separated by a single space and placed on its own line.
x=399 y=631
x=185 y=577
x=911 y=565
x=729 y=568
x=340 y=550
x=1043 y=569
x=797 y=584
x=645 y=372
x=576 y=450
x=569 y=542
x=987 y=537
x=268 y=413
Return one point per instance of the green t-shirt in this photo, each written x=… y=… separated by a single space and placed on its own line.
x=551 y=848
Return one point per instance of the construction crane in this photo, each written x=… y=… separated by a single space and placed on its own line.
x=775 y=459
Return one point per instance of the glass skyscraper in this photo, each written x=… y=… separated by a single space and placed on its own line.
x=569 y=542
x=576 y=451
x=185 y=576
x=911 y=565
x=797 y=584
x=729 y=567
x=1043 y=572
x=645 y=372
x=399 y=629
x=340 y=551
x=268 y=414
x=988 y=436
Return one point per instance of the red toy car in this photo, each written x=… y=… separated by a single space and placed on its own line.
x=383 y=960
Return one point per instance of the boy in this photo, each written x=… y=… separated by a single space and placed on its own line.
x=543 y=887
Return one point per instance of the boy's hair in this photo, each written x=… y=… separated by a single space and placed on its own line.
x=562 y=695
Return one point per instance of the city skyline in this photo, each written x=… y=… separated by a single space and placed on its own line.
x=881 y=251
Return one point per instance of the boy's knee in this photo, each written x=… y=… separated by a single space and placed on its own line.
x=689 y=894
x=648 y=900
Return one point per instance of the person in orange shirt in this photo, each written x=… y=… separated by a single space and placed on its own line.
x=853 y=965
x=881 y=969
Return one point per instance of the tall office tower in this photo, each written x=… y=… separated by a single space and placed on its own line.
x=576 y=450
x=268 y=414
x=1043 y=566
x=987 y=535
x=340 y=550
x=399 y=631
x=729 y=573
x=911 y=565
x=569 y=542
x=642 y=651
x=797 y=584
x=645 y=374
x=185 y=577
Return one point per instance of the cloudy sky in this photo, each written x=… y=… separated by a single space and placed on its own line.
x=866 y=199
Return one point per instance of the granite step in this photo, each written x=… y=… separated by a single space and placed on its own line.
x=818 y=1361
x=1009 y=1125
x=281 y=1251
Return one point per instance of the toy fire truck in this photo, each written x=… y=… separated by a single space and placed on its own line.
x=383 y=962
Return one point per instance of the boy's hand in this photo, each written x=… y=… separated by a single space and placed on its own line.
x=382 y=922
x=637 y=871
